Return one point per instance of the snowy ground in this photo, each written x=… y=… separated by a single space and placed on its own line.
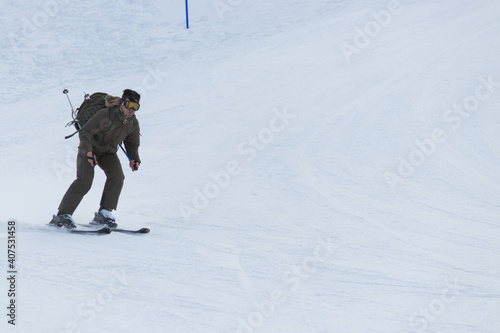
x=308 y=166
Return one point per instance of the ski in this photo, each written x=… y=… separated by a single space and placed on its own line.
x=101 y=231
x=129 y=231
x=124 y=231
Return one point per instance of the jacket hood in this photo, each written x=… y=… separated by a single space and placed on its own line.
x=112 y=101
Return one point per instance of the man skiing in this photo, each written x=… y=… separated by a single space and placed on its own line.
x=99 y=140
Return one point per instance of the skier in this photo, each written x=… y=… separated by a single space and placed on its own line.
x=99 y=140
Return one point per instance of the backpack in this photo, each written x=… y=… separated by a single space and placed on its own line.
x=91 y=104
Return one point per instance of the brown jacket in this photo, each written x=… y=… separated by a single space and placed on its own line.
x=108 y=128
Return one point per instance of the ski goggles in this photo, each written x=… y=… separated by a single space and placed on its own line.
x=131 y=105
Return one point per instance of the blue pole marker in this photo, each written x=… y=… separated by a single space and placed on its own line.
x=187 y=15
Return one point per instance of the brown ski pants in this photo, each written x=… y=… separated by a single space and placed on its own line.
x=111 y=166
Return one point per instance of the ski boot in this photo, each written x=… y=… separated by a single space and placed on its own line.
x=62 y=220
x=104 y=218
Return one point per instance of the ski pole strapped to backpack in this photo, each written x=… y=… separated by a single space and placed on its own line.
x=91 y=104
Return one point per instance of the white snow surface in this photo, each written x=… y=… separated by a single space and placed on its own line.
x=307 y=166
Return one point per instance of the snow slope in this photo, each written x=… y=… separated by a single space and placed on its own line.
x=308 y=166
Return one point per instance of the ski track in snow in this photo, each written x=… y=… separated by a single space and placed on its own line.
x=309 y=235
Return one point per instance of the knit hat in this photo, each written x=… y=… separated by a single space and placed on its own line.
x=131 y=95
